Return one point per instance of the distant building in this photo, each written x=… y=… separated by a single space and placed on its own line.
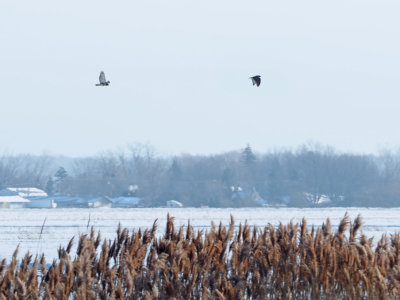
x=319 y=199
x=14 y=201
x=38 y=198
x=100 y=202
x=174 y=203
x=41 y=202
x=28 y=192
x=10 y=198
x=68 y=202
x=247 y=195
x=125 y=202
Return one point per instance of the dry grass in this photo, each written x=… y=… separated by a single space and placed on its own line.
x=284 y=262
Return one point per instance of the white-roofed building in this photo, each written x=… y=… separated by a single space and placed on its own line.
x=13 y=201
x=41 y=202
x=25 y=197
x=125 y=202
x=100 y=202
x=28 y=191
x=174 y=203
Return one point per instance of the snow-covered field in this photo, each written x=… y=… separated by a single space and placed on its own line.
x=23 y=226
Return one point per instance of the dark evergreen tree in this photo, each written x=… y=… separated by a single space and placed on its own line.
x=61 y=174
x=248 y=156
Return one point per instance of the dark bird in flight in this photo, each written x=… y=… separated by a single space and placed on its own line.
x=102 y=79
x=256 y=80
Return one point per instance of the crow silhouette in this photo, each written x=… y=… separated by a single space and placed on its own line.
x=256 y=80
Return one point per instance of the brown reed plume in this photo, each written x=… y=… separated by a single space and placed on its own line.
x=291 y=261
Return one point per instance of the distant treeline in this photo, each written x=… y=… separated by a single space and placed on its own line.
x=302 y=177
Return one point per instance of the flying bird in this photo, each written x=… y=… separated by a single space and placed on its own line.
x=102 y=79
x=256 y=80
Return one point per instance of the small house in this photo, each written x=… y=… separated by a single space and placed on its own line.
x=28 y=192
x=125 y=202
x=37 y=197
x=249 y=196
x=99 y=202
x=69 y=202
x=41 y=202
x=11 y=199
x=13 y=202
x=318 y=199
x=174 y=203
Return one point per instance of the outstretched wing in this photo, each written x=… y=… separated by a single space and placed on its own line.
x=102 y=77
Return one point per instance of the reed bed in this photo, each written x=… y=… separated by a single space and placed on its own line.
x=289 y=261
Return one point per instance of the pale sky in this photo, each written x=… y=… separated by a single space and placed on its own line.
x=179 y=74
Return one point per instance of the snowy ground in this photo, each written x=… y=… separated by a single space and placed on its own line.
x=22 y=226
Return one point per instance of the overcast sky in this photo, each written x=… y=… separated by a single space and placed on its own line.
x=179 y=73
